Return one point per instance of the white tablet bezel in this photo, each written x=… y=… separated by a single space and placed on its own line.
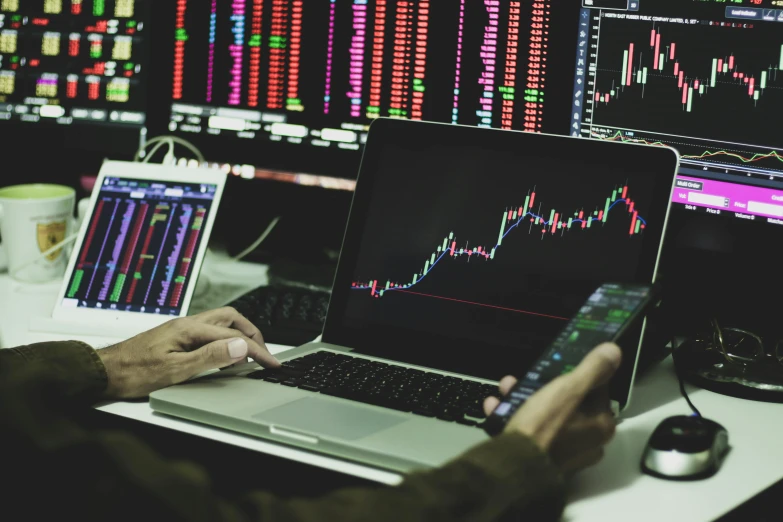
x=139 y=321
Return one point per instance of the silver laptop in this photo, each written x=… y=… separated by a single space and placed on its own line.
x=466 y=252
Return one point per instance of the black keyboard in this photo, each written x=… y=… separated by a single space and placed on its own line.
x=424 y=393
x=285 y=315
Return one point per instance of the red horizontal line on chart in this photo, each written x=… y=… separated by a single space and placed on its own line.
x=484 y=305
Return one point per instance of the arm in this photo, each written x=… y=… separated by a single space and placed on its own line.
x=58 y=467
x=115 y=472
x=70 y=369
x=166 y=355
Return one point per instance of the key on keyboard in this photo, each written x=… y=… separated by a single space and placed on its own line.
x=427 y=394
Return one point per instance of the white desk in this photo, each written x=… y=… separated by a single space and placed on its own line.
x=613 y=490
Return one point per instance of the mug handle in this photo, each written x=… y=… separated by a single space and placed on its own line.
x=82 y=207
x=81 y=213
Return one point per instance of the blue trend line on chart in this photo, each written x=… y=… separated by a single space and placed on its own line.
x=638 y=223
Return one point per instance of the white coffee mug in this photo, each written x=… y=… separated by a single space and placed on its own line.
x=33 y=219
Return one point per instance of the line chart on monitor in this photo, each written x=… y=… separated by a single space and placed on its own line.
x=702 y=86
x=529 y=216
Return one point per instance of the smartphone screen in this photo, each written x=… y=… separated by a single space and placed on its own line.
x=603 y=318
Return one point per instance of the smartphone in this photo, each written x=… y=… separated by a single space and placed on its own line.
x=606 y=315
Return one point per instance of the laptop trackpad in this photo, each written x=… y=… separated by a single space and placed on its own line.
x=330 y=418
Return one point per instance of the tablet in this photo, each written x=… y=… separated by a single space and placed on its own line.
x=139 y=251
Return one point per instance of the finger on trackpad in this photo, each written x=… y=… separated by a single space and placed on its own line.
x=330 y=418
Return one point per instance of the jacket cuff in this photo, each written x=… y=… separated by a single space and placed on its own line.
x=521 y=475
x=72 y=368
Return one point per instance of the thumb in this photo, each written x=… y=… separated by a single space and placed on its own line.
x=596 y=369
x=218 y=354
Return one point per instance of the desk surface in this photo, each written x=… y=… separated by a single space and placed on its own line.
x=615 y=489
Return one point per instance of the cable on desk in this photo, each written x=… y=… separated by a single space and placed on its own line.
x=258 y=241
x=683 y=391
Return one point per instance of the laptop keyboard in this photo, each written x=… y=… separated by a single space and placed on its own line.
x=424 y=393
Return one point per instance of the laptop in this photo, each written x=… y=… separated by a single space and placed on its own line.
x=466 y=252
x=139 y=250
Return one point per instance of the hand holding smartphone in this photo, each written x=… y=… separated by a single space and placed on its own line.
x=604 y=317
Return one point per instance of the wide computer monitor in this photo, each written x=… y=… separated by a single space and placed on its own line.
x=294 y=85
x=74 y=62
x=706 y=78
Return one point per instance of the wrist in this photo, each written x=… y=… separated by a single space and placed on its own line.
x=110 y=357
x=541 y=440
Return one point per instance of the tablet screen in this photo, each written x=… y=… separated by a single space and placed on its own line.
x=140 y=245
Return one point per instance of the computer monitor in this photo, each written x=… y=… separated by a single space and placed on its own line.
x=294 y=85
x=74 y=61
x=707 y=79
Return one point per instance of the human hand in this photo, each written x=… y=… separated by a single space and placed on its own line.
x=569 y=418
x=181 y=349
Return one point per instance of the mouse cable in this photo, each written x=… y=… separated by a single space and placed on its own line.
x=257 y=242
x=683 y=391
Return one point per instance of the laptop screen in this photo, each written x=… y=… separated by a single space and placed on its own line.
x=137 y=254
x=486 y=243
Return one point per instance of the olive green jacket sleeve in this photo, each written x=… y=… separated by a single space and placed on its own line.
x=112 y=476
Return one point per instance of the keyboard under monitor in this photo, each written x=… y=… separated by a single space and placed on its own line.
x=285 y=315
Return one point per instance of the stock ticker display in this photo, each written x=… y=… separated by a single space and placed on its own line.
x=528 y=215
x=317 y=73
x=705 y=77
x=140 y=247
x=445 y=247
x=700 y=76
x=72 y=61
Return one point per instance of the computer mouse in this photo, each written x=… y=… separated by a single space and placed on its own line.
x=685 y=448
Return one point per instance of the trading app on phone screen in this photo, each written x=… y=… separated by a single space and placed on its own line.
x=599 y=320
